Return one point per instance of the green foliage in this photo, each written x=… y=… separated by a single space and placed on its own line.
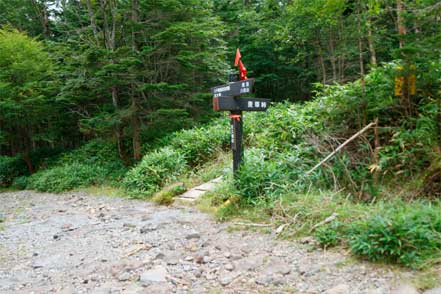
x=329 y=235
x=405 y=234
x=99 y=153
x=11 y=167
x=201 y=144
x=67 y=177
x=155 y=169
x=261 y=176
x=20 y=183
x=165 y=196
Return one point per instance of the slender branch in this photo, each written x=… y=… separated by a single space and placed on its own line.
x=341 y=147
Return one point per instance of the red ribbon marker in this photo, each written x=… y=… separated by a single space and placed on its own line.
x=242 y=69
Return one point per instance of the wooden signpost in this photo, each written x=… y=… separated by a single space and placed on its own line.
x=228 y=98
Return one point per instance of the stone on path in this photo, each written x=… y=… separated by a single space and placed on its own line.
x=339 y=289
x=194 y=194
x=156 y=274
x=405 y=289
x=436 y=290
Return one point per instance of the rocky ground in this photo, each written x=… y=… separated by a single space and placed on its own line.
x=75 y=243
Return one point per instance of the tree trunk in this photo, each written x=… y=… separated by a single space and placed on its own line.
x=332 y=55
x=136 y=126
x=92 y=20
x=361 y=62
x=26 y=150
x=402 y=30
x=371 y=44
x=321 y=59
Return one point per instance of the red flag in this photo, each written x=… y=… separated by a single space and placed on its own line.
x=238 y=57
x=243 y=71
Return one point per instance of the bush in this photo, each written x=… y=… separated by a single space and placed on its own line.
x=165 y=196
x=407 y=234
x=268 y=175
x=329 y=235
x=201 y=144
x=67 y=177
x=11 y=167
x=20 y=183
x=259 y=177
x=101 y=153
x=155 y=169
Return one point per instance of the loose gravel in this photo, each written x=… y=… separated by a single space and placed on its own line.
x=77 y=243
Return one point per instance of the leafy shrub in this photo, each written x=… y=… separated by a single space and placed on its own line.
x=407 y=234
x=101 y=153
x=259 y=176
x=200 y=144
x=20 y=183
x=268 y=175
x=329 y=235
x=165 y=197
x=11 y=167
x=45 y=157
x=154 y=170
x=67 y=177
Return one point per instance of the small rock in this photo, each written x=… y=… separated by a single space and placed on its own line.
x=436 y=290
x=56 y=237
x=67 y=227
x=189 y=258
x=172 y=259
x=148 y=228
x=198 y=273
x=278 y=280
x=192 y=236
x=264 y=280
x=37 y=264
x=125 y=276
x=199 y=259
x=405 y=289
x=227 y=254
x=156 y=274
x=308 y=240
x=339 y=289
x=229 y=267
x=206 y=259
x=375 y=291
x=158 y=288
x=227 y=279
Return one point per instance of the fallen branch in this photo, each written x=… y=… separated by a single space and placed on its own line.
x=341 y=147
x=324 y=222
x=143 y=247
x=252 y=225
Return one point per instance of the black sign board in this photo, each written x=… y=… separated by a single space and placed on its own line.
x=233 y=89
x=227 y=98
x=245 y=104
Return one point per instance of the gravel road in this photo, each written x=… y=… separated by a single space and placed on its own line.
x=76 y=243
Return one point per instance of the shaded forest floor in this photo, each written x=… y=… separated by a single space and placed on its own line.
x=77 y=243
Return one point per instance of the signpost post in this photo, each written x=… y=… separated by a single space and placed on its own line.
x=228 y=98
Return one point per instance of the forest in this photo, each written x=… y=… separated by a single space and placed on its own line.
x=116 y=93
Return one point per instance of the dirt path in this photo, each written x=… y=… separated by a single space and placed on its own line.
x=74 y=243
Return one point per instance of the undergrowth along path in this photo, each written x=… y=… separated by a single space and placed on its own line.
x=76 y=243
